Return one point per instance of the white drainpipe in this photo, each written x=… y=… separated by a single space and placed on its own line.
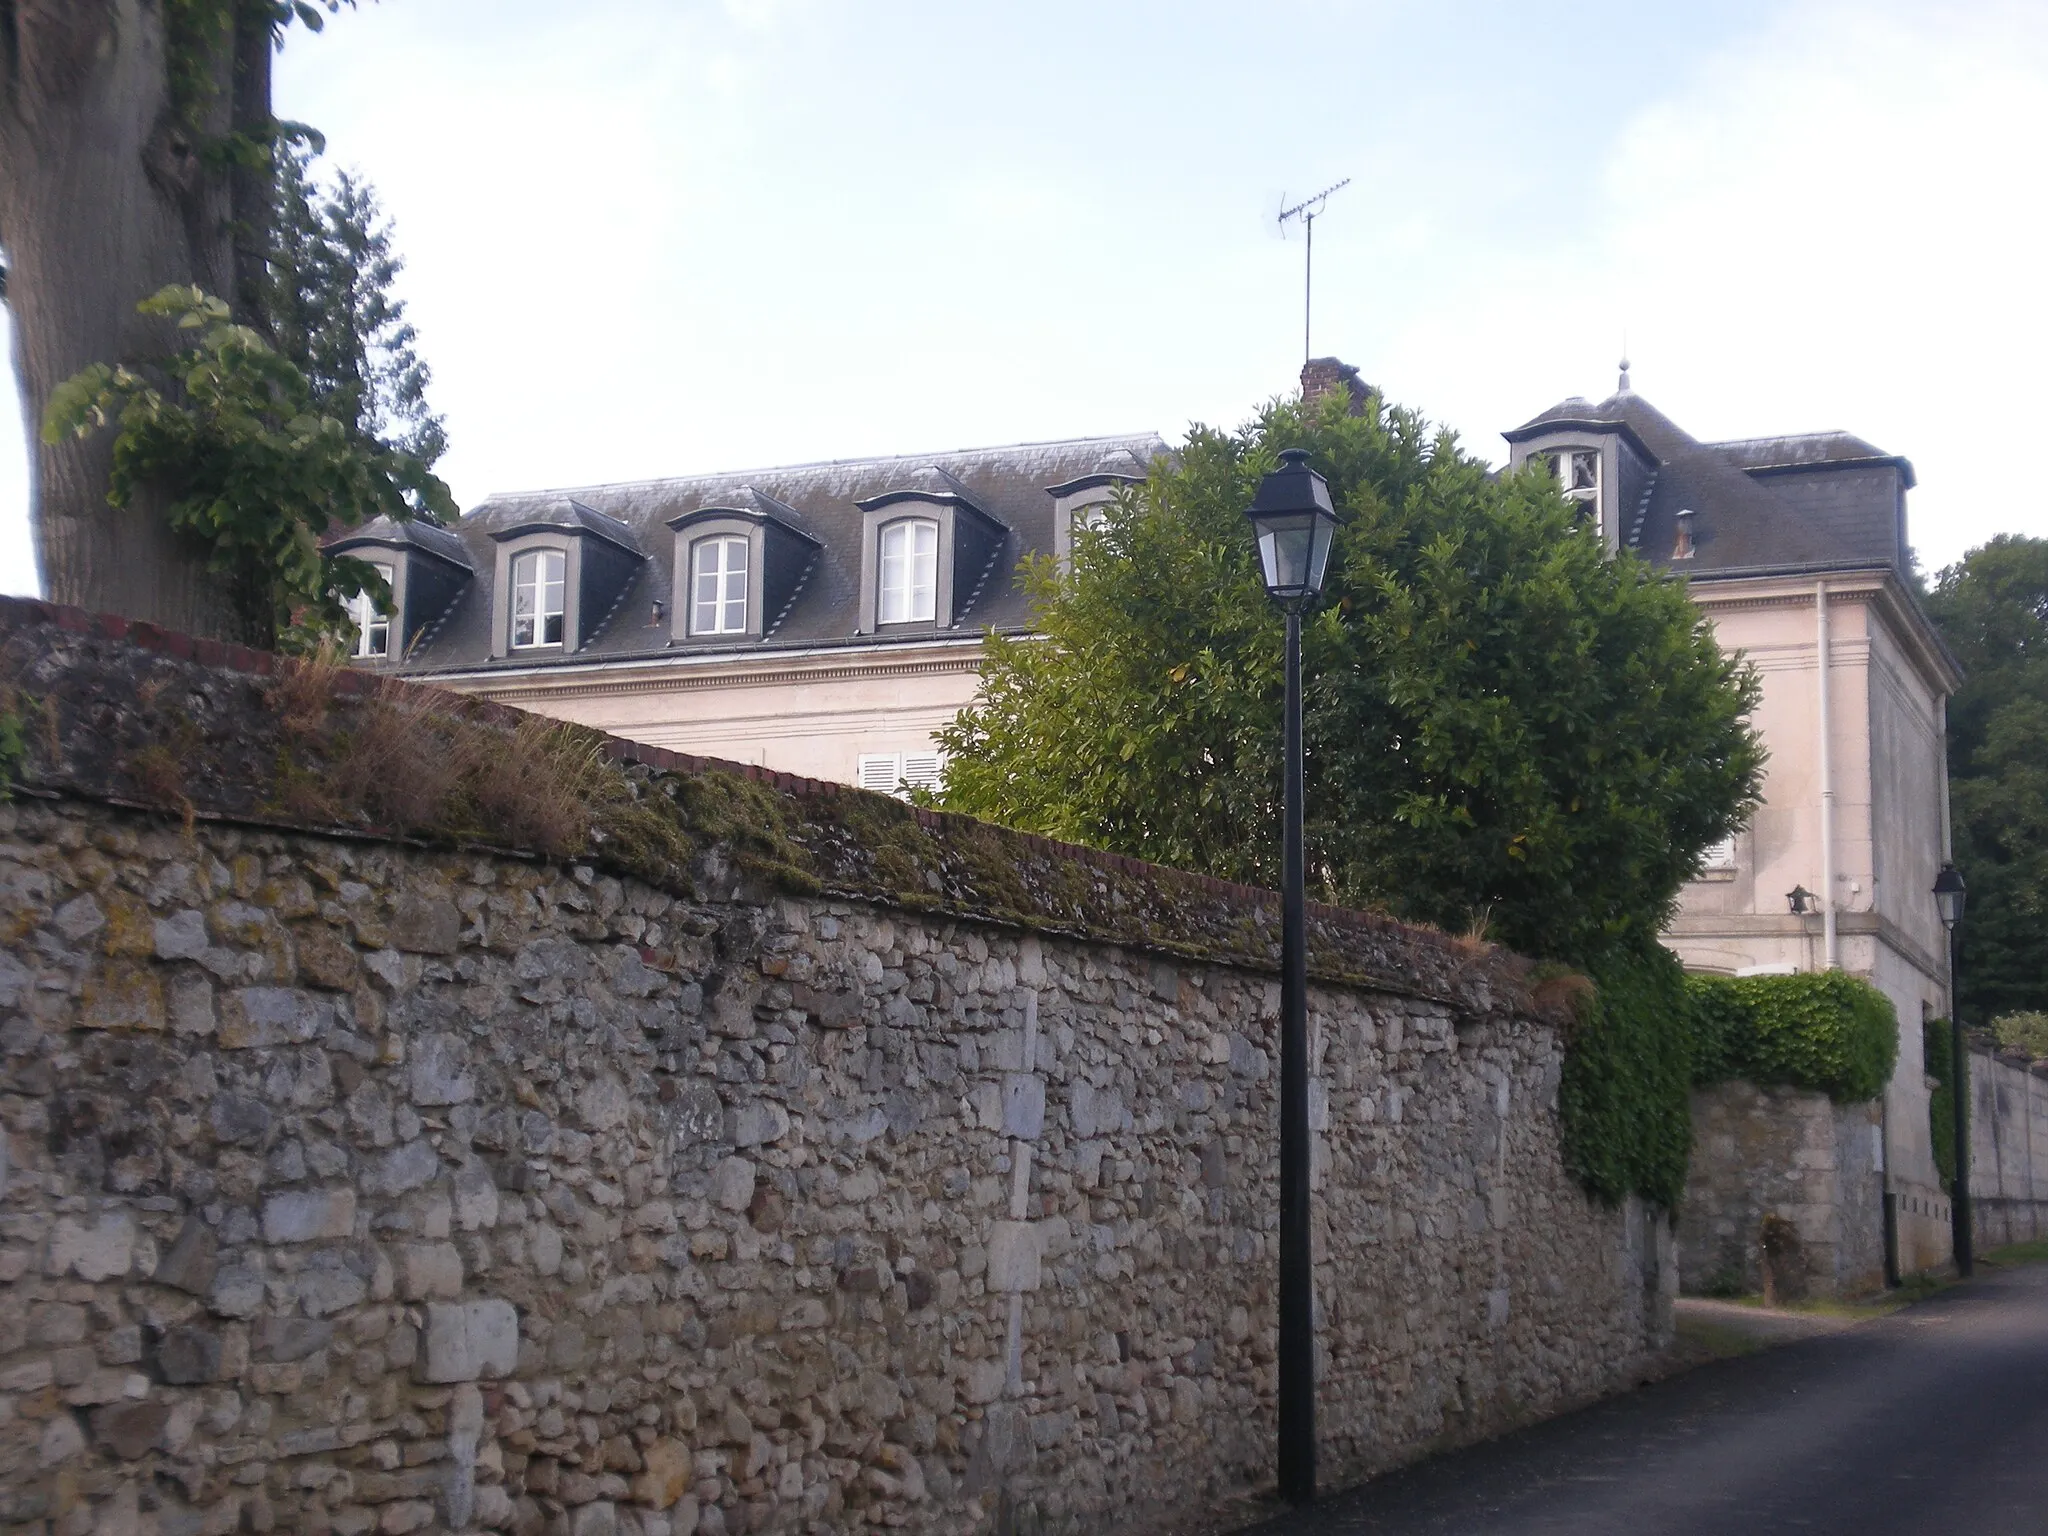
x=1830 y=942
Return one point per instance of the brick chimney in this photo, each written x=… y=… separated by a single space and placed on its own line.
x=1320 y=375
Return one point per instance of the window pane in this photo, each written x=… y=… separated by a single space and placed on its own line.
x=719 y=587
x=537 y=591
x=924 y=576
x=733 y=619
x=908 y=580
x=1585 y=471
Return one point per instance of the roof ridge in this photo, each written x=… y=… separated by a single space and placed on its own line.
x=924 y=459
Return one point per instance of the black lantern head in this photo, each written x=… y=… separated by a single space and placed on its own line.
x=1800 y=900
x=1949 y=892
x=1295 y=523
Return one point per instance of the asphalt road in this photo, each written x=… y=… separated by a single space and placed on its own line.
x=1928 y=1422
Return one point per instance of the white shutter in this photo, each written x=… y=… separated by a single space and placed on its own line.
x=1720 y=856
x=922 y=770
x=880 y=771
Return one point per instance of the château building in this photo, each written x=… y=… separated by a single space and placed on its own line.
x=826 y=620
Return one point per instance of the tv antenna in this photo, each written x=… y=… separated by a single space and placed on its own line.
x=1307 y=211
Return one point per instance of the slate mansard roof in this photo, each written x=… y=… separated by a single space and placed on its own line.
x=1011 y=487
x=1813 y=502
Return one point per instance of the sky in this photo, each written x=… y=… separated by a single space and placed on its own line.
x=659 y=237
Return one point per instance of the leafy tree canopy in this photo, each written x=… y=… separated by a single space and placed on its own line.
x=1504 y=724
x=329 y=304
x=254 y=471
x=1992 y=607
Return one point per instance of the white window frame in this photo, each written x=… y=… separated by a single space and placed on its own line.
x=373 y=624
x=898 y=773
x=1568 y=462
x=724 y=612
x=535 y=574
x=910 y=601
x=1719 y=861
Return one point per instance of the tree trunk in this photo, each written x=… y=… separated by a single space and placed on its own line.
x=105 y=198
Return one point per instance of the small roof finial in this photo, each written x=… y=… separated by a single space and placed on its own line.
x=1623 y=387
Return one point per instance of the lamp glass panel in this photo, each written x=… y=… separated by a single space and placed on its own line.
x=1286 y=551
x=1319 y=558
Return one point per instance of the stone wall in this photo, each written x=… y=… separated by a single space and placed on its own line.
x=1796 y=1155
x=2008 y=1148
x=355 y=1184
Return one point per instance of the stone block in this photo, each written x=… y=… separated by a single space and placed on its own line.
x=476 y=1197
x=426 y=925
x=438 y=1072
x=470 y=1341
x=309 y=1215
x=408 y=1167
x=189 y=1356
x=61 y=1440
x=289 y=1338
x=1023 y=1105
x=121 y=998
x=258 y=1017
x=665 y=1475
x=325 y=1289
x=130 y=1429
x=732 y=1184
x=758 y=1123
x=100 y=1250
x=191 y=1006
x=181 y=936
x=1013 y=1256
x=237 y=1292
x=428 y=1270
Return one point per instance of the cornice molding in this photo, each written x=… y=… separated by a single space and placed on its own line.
x=679 y=679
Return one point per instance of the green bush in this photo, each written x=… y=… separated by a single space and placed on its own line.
x=2026 y=1032
x=1624 y=1097
x=1824 y=1030
x=1941 y=1100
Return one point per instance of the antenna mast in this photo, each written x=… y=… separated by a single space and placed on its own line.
x=1306 y=210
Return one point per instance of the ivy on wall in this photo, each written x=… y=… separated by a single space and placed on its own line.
x=1650 y=1034
x=1624 y=1096
x=1941 y=1099
x=1825 y=1030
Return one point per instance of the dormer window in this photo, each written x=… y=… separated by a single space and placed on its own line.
x=908 y=588
x=564 y=570
x=740 y=564
x=373 y=624
x=928 y=552
x=1084 y=505
x=426 y=569
x=718 y=585
x=539 y=589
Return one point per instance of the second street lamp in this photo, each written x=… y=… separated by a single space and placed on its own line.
x=1295 y=523
x=1949 y=892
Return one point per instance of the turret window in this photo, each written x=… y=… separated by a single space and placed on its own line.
x=909 y=578
x=538 y=587
x=1578 y=475
x=718 y=586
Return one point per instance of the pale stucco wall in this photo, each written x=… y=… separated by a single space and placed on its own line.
x=1886 y=743
x=811 y=713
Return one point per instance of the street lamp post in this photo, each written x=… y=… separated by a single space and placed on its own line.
x=1949 y=892
x=1295 y=522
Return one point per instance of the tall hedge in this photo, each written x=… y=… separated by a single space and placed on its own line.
x=1824 y=1030
x=1624 y=1098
